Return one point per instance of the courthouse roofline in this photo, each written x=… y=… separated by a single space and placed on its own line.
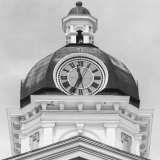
x=79 y=146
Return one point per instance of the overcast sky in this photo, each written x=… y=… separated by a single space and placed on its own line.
x=129 y=30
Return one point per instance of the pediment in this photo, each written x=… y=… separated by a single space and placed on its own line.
x=77 y=148
x=78 y=158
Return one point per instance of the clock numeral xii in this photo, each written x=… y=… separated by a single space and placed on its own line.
x=80 y=63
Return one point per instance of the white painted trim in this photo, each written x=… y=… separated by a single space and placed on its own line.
x=14 y=112
x=48 y=124
x=79 y=22
x=75 y=130
x=79 y=16
x=127 y=129
x=67 y=133
x=30 y=130
x=88 y=146
x=150 y=131
x=10 y=131
x=80 y=128
x=104 y=98
x=31 y=118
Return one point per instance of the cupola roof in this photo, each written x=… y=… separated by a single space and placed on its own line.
x=40 y=78
x=79 y=9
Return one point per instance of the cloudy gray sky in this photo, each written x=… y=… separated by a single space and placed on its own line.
x=127 y=29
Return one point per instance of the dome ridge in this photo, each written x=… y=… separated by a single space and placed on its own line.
x=79 y=9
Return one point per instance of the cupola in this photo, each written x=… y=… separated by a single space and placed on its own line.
x=79 y=25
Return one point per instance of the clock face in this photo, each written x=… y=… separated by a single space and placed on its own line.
x=80 y=76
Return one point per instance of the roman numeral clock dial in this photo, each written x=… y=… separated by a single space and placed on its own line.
x=80 y=76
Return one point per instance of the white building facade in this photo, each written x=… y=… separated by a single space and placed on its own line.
x=80 y=97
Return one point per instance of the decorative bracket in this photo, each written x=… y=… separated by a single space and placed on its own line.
x=116 y=106
x=80 y=106
x=61 y=105
x=98 y=106
x=138 y=137
x=44 y=105
x=80 y=128
x=48 y=124
x=110 y=124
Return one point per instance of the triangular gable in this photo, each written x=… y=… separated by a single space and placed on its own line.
x=77 y=147
x=78 y=158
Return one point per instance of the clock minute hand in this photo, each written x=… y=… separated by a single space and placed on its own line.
x=79 y=75
x=82 y=75
x=79 y=72
x=85 y=70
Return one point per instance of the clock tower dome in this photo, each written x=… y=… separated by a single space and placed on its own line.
x=80 y=94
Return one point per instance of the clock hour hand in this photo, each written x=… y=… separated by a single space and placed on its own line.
x=79 y=72
x=79 y=80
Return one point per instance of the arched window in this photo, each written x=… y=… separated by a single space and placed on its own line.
x=79 y=37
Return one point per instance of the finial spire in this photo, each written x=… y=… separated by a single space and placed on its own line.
x=79 y=9
x=79 y=4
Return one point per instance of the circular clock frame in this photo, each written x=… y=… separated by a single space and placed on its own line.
x=80 y=74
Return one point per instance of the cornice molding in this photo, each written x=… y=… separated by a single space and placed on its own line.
x=27 y=131
x=127 y=129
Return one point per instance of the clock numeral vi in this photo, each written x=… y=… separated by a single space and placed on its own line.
x=80 y=92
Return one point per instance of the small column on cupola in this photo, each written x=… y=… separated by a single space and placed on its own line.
x=79 y=25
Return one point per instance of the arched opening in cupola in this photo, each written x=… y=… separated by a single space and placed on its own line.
x=79 y=37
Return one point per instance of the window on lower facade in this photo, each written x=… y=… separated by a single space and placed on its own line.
x=34 y=141
x=126 y=142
